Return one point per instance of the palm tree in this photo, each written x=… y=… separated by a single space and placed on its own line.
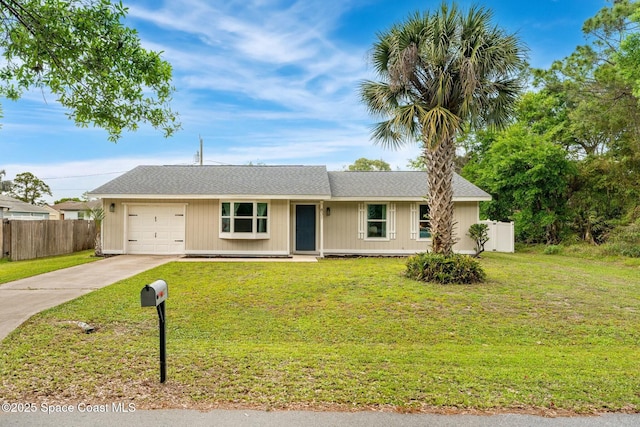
x=4 y=185
x=97 y=215
x=439 y=72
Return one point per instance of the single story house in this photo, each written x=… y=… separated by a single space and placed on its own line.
x=76 y=210
x=275 y=211
x=54 y=215
x=11 y=208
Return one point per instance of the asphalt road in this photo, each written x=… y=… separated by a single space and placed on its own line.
x=239 y=418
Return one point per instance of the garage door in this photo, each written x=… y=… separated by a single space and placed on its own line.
x=155 y=229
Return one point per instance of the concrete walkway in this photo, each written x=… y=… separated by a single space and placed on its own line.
x=293 y=258
x=21 y=299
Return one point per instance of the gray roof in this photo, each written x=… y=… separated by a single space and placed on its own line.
x=399 y=185
x=15 y=205
x=77 y=206
x=276 y=181
x=220 y=181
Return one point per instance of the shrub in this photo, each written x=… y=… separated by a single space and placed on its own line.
x=625 y=240
x=479 y=233
x=456 y=268
x=551 y=250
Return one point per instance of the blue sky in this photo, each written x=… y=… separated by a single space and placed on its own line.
x=261 y=81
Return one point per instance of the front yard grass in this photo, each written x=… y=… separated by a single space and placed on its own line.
x=545 y=333
x=14 y=270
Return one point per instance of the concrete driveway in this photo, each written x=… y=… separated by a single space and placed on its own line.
x=21 y=299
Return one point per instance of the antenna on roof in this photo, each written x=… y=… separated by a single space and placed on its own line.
x=198 y=158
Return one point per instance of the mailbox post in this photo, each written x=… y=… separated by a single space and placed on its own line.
x=155 y=295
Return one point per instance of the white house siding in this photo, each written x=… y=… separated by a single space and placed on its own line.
x=203 y=231
x=340 y=229
x=70 y=214
x=202 y=224
x=113 y=227
x=114 y=233
x=465 y=215
x=342 y=237
x=25 y=216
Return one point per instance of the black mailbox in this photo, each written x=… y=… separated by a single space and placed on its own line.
x=154 y=294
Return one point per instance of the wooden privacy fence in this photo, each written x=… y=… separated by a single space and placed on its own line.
x=22 y=240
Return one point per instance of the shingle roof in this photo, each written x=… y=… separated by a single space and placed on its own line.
x=77 y=206
x=15 y=205
x=295 y=181
x=221 y=180
x=400 y=184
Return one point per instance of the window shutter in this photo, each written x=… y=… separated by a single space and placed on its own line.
x=414 y=221
x=392 y=221
x=362 y=222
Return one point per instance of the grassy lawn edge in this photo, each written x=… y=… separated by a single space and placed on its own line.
x=15 y=270
x=550 y=335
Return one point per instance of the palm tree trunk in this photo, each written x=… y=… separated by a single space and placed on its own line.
x=98 y=245
x=440 y=166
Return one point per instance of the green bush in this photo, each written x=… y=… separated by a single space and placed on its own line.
x=552 y=250
x=625 y=240
x=479 y=233
x=456 y=268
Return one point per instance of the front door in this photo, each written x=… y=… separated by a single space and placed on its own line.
x=305 y=228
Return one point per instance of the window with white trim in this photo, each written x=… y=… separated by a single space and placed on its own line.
x=420 y=224
x=376 y=221
x=424 y=226
x=244 y=220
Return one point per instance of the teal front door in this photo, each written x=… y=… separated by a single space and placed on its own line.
x=305 y=228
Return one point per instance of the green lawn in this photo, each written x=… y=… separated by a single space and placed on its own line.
x=545 y=333
x=14 y=270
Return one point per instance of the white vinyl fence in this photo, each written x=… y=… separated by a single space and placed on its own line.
x=501 y=236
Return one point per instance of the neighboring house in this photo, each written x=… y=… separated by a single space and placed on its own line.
x=275 y=211
x=11 y=208
x=76 y=210
x=54 y=215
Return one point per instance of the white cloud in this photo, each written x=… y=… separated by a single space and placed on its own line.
x=72 y=179
x=280 y=56
x=260 y=81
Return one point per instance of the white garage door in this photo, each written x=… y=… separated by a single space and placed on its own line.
x=155 y=229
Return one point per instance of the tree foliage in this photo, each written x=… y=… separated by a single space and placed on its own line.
x=479 y=233
x=67 y=199
x=367 y=165
x=570 y=163
x=4 y=185
x=439 y=72
x=86 y=57
x=594 y=86
x=528 y=178
x=29 y=188
x=599 y=196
